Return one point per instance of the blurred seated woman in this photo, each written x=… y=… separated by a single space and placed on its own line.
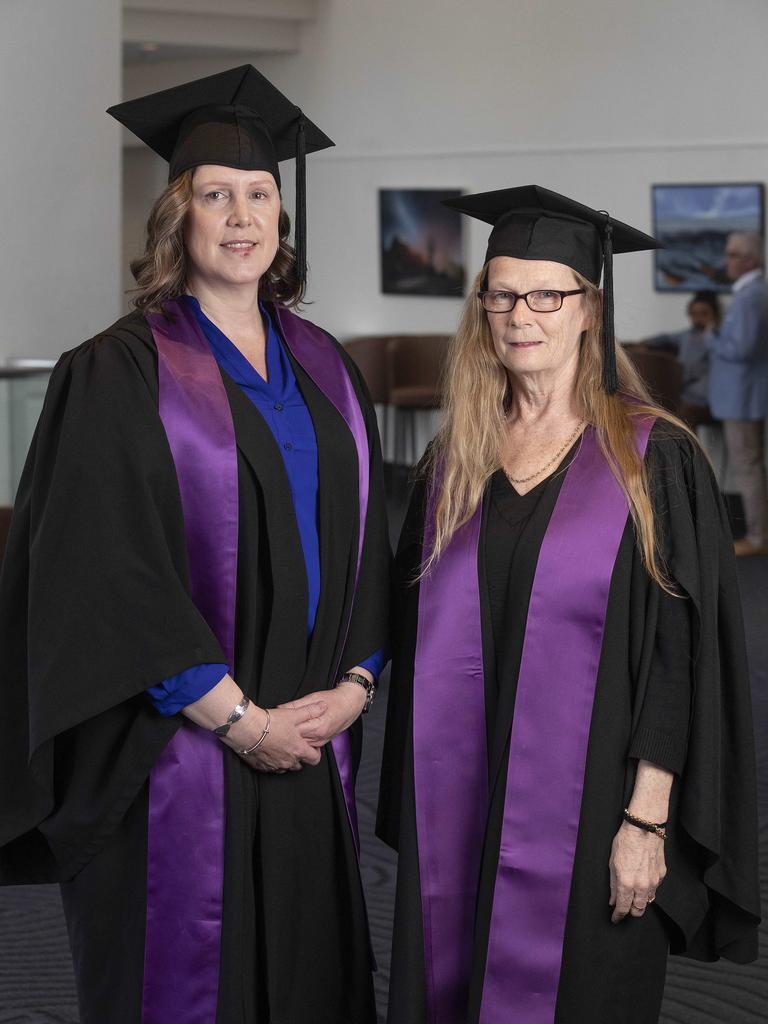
x=689 y=346
x=568 y=768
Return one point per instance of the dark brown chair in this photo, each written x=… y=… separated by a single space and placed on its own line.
x=415 y=368
x=371 y=354
x=662 y=373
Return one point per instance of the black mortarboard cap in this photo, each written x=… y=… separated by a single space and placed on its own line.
x=533 y=223
x=236 y=119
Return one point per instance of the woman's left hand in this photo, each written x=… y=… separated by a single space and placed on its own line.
x=344 y=705
x=637 y=869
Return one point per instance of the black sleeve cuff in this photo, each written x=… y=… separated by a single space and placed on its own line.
x=660 y=748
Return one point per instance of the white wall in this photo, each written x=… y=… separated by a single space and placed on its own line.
x=144 y=177
x=344 y=223
x=429 y=74
x=598 y=99
x=60 y=160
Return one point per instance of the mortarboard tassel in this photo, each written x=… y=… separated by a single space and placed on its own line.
x=610 y=374
x=300 y=226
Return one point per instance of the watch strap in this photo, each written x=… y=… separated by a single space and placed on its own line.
x=367 y=685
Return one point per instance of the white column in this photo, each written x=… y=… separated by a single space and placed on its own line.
x=60 y=68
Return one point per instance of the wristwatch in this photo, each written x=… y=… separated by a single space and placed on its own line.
x=367 y=685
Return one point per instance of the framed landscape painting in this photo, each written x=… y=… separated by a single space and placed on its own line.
x=693 y=222
x=421 y=243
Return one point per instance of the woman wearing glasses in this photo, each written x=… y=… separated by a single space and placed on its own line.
x=568 y=769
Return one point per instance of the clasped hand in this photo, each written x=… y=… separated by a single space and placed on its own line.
x=344 y=704
x=298 y=730
x=637 y=869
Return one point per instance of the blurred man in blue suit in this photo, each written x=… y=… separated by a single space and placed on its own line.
x=738 y=383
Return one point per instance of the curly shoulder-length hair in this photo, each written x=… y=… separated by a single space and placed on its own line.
x=161 y=271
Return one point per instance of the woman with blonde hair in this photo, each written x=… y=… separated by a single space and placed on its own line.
x=568 y=770
x=193 y=607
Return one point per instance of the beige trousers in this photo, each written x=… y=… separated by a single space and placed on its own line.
x=745 y=440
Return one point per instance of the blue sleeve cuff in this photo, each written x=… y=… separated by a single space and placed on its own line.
x=175 y=693
x=375 y=663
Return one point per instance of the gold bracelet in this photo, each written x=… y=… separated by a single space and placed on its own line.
x=260 y=740
x=658 y=828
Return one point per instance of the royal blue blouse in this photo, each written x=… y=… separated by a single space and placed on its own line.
x=281 y=403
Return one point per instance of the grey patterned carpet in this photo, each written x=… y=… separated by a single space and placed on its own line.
x=36 y=985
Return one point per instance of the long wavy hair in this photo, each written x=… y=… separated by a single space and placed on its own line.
x=161 y=271
x=476 y=395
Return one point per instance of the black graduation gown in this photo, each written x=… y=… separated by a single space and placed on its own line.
x=95 y=608
x=708 y=905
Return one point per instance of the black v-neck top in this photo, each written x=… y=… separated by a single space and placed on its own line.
x=515 y=526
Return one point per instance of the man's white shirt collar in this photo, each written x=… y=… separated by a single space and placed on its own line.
x=745 y=279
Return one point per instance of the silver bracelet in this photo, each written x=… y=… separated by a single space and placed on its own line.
x=260 y=740
x=235 y=715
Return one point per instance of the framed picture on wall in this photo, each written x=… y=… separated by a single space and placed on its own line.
x=693 y=222
x=421 y=243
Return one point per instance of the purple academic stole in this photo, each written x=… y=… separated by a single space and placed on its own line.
x=185 y=850
x=315 y=353
x=547 y=758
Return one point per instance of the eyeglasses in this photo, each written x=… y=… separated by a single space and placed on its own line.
x=544 y=300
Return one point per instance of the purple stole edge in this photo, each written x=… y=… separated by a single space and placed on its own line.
x=544 y=779
x=319 y=359
x=185 y=843
x=185 y=853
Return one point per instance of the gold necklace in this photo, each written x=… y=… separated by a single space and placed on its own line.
x=552 y=461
